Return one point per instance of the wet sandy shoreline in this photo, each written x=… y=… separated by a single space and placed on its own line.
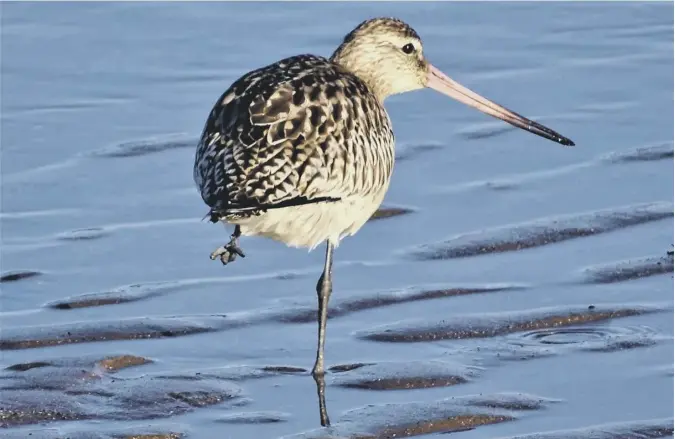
x=507 y=288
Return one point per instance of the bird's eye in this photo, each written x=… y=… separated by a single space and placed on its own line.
x=408 y=48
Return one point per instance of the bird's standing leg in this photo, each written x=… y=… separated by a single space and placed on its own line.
x=229 y=251
x=324 y=287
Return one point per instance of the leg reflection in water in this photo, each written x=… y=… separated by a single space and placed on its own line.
x=321 y=391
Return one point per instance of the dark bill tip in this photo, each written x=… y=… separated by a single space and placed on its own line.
x=439 y=81
x=540 y=130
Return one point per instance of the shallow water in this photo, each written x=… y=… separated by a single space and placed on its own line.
x=518 y=289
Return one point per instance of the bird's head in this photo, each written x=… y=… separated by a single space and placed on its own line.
x=387 y=54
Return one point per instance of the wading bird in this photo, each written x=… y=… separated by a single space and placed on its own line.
x=302 y=150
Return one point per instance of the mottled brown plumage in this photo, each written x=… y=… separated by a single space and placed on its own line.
x=302 y=150
x=293 y=134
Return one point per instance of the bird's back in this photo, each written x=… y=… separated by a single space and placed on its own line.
x=300 y=131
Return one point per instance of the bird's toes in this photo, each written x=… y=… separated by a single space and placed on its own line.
x=235 y=249
x=227 y=257
x=227 y=253
x=218 y=253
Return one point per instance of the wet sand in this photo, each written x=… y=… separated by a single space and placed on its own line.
x=507 y=288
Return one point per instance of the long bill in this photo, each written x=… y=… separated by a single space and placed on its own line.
x=440 y=82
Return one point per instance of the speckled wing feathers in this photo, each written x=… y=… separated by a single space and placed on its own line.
x=299 y=131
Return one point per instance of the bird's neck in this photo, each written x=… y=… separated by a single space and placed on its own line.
x=347 y=59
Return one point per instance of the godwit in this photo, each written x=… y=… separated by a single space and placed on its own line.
x=302 y=150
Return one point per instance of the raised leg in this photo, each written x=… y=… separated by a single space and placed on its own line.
x=324 y=288
x=229 y=251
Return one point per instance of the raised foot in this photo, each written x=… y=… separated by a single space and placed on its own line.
x=228 y=252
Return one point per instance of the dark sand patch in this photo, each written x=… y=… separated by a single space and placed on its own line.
x=621 y=271
x=71 y=380
x=420 y=418
x=22 y=367
x=344 y=306
x=149 y=397
x=622 y=345
x=236 y=373
x=254 y=418
x=123 y=294
x=146 y=290
x=13 y=276
x=347 y=367
x=284 y=369
x=409 y=151
x=518 y=180
x=143 y=147
x=36 y=242
x=485 y=131
x=83 y=234
x=388 y=212
x=128 y=329
x=111 y=363
x=139 y=432
x=502 y=185
x=509 y=401
x=656 y=428
x=495 y=324
x=82 y=388
x=404 y=375
x=71 y=375
x=21 y=407
x=657 y=151
x=451 y=424
x=543 y=231
x=118 y=362
x=151 y=436
x=54 y=434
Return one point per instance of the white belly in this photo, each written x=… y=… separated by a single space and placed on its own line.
x=310 y=225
